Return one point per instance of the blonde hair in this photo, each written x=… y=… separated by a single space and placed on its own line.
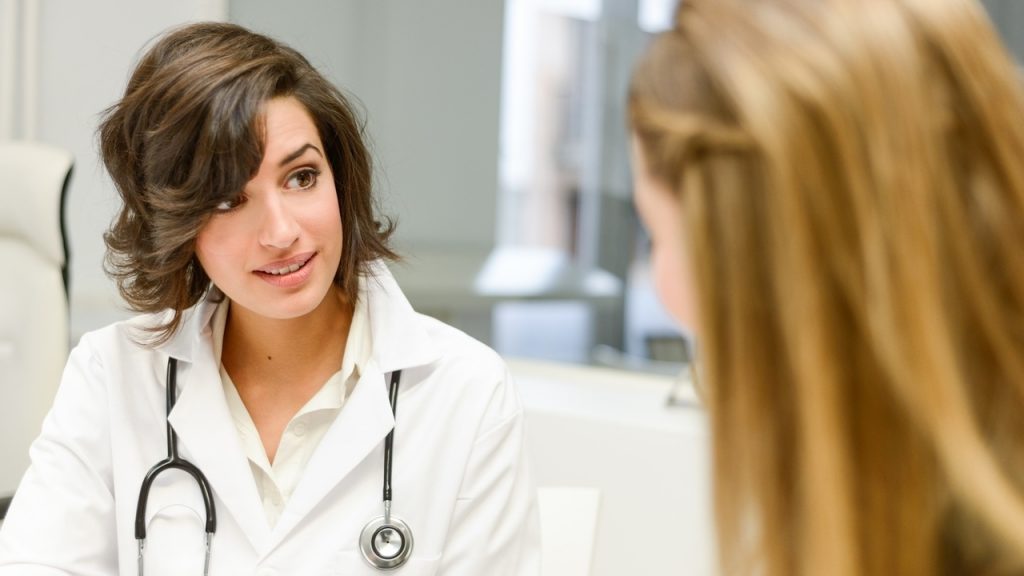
x=851 y=176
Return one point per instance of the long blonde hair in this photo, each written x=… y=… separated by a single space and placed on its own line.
x=851 y=176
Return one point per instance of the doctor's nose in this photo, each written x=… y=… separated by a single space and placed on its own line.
x=278 y=227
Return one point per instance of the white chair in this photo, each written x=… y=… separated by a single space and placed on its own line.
x=34 y=332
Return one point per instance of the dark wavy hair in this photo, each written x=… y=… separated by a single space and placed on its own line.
x=188 y=135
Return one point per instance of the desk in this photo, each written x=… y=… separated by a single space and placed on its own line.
x=611 y=430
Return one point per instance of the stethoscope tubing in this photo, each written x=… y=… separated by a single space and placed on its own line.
x=173 y=462
x=383 y=531
x=389 y=441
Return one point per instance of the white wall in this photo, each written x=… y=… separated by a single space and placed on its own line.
x=428 y=74
x=1008 y=16
x=86 y=50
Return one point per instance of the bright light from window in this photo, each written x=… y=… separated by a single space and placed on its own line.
x=656 y=15
x=589 y=10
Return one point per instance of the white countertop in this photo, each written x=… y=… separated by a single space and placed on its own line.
x=611 y=432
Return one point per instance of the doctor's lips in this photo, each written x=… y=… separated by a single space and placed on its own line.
x=288 y=266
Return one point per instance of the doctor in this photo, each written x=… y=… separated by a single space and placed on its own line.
x=248 y=239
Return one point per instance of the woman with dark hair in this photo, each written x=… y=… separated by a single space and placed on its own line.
x=265 y=373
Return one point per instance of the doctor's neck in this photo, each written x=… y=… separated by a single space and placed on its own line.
x=296 y=345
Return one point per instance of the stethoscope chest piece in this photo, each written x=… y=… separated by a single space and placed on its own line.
x=386 y=543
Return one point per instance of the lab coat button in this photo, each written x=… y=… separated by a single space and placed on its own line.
x=299 y=429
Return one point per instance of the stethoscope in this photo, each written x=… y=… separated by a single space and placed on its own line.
x=385 y=542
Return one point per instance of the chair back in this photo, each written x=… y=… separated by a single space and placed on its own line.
x=34 y=321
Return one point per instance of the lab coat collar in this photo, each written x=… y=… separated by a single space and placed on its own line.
x=184 y=344
x=208 y=437
x=399 y=338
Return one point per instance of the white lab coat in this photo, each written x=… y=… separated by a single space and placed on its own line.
x=460 y=479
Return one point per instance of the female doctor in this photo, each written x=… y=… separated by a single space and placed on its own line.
x=275 y=357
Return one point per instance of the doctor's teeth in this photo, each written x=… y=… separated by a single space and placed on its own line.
x=286 y=270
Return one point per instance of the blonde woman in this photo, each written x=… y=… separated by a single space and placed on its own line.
x=835 y=190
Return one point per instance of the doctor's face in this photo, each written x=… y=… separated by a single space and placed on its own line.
x=275 y=250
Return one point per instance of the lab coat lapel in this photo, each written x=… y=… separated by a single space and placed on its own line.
x=359 y=429
x=398 y=341
x=399 y=338
x=208 y=438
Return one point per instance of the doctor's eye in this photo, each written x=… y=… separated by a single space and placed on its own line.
x=303 y=179
x=229 y=205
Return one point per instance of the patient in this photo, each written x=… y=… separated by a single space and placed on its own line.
x=835 y=193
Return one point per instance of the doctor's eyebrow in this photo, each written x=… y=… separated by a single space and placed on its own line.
x=298 y=153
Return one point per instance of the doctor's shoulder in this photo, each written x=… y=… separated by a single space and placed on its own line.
x=477 y=399
x=472 y=372
x=123 y=344
x=137 y=332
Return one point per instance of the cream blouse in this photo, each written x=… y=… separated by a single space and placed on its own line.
x=276 y=482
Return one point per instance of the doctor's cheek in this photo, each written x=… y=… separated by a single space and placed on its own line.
x=218 y=240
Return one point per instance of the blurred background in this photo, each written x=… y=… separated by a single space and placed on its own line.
x=497 y=126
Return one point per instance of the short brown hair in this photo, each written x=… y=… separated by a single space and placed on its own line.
x=188 y=135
